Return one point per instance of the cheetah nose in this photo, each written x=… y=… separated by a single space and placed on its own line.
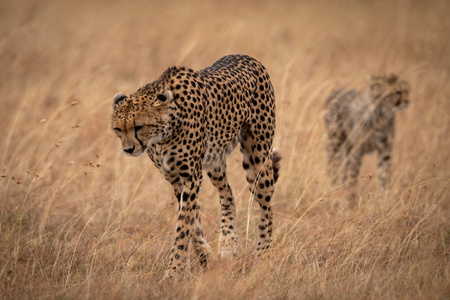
x=129 y=150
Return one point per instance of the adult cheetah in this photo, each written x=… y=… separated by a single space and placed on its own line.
x=359 y=124
x=189 y=121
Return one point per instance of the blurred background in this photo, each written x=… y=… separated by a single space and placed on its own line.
x=80 y=219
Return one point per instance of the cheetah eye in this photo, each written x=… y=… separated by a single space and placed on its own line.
x=117 y=129
x=137 y=128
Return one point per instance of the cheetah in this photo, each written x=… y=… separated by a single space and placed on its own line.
x=360 y=124
x=188 y=122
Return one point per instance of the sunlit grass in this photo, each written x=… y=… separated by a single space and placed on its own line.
x=78 y=219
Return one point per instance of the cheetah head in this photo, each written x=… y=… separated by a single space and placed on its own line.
x=141 y=119
x=389 y=92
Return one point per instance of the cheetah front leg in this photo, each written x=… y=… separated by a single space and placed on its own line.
x=201 y=247
x=177 y=186
x=228 y=238
x=188 y=225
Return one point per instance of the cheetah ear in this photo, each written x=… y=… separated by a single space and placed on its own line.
x=119 y=97
x=392 y=78
x=163 y=98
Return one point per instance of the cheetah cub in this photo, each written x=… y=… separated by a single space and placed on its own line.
x=358 y=124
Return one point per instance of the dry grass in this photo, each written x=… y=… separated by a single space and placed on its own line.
x=78 y=219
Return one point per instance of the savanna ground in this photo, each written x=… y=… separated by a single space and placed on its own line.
x=79 y=219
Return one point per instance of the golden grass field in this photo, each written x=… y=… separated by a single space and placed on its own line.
x=80 y=220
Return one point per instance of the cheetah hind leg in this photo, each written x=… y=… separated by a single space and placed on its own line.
x=262 y=169
x=335 y=147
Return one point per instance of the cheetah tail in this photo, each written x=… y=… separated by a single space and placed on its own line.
x=276 y=158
